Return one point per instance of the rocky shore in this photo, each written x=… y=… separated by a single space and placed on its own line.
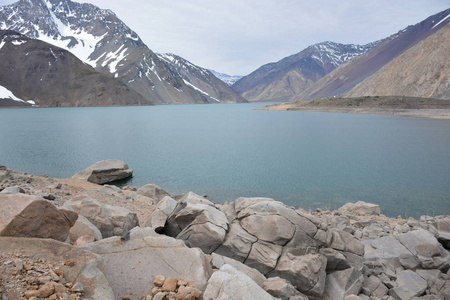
x=72 y=238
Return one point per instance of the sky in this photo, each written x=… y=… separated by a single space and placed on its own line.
x=238 y=36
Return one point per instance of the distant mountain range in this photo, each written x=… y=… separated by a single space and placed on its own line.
x=283 y=80
x=98 y=38
x=413 y=62
x=60 y=52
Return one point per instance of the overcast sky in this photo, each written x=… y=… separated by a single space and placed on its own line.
x=238 y=36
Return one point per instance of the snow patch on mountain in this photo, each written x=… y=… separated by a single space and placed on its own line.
x=196 y=88
x=228 y=79
x=7 y=94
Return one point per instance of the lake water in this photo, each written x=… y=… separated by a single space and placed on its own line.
x=306 y=159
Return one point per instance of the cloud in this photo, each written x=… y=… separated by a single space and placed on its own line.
x=237 y=37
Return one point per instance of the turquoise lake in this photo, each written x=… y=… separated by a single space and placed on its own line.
x=306 y=159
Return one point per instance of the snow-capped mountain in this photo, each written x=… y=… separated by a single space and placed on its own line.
x=201 y=79
x=281 y=80
x=35 y=72
x=409 y=78
x=228 y=79
x=100 y=39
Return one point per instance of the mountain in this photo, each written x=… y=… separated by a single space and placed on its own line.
x=50 y=76
x=201 y=79
x=282 y=80
x=97 y=37
x=228 y=79
x=349 y=74
x=421 y=71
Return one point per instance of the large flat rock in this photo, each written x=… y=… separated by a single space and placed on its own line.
x=105 y=171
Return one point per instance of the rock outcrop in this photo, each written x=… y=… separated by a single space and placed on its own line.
x=110 y=220
x=105 y=171
x=249 y=248
x=31 y=216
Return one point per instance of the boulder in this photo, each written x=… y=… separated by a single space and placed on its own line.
x=13 y=190
x=340 y=284
x=228 y=283
x=263 y=256
x=344 y=241
x=110 y=220
x=237 y=243
x=360 y=208
x=105 y=171
x=157 y=220
x=423 y=245
x=270 y=228
x=140 y=260
x=31 y=216
x=152 y=191
x=409 y=285
x=83 y=227
x=217 y=261
x=306 y=272
x=282 y=289
x=198 y=222
x=85 y=270
x=387 y=249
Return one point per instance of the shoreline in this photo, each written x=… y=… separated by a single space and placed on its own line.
x=443 y=114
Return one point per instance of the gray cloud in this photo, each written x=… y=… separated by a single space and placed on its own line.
x=238 y=36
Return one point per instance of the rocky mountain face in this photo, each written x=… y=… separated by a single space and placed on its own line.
x=288 y=77
x=228 y=79
x=348 y=75
x=420 y=71
x=50 y=76
x=100 y=39
x=201 y=79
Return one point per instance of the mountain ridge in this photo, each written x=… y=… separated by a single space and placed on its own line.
x=52 y=76
x=351 y=73
x=99 y=38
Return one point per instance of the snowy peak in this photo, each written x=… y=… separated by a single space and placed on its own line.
x=98 y=38
x=228 y=79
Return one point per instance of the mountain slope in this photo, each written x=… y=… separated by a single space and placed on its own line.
x=50 y=76
x=286 y=78
x=349 y=74
x=201 y=79
x=421 y=71
x=99 y=38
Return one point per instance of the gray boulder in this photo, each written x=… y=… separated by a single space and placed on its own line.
x=410 y=285
x=282 y=289
x=140 y=260
x=152 y=191
x=423 y=245
x=263 y=256
x=217 y=261
x=198 y=222
x=306 y=272
x=110 y=220
x=13 y=190
x=360 y=208
x=31 y=216
x=157 y=220
x=83 y=227
x=227 y=283
x=105 y=171
x=237 y=243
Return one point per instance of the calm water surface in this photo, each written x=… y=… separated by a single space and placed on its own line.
x=306 y=159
